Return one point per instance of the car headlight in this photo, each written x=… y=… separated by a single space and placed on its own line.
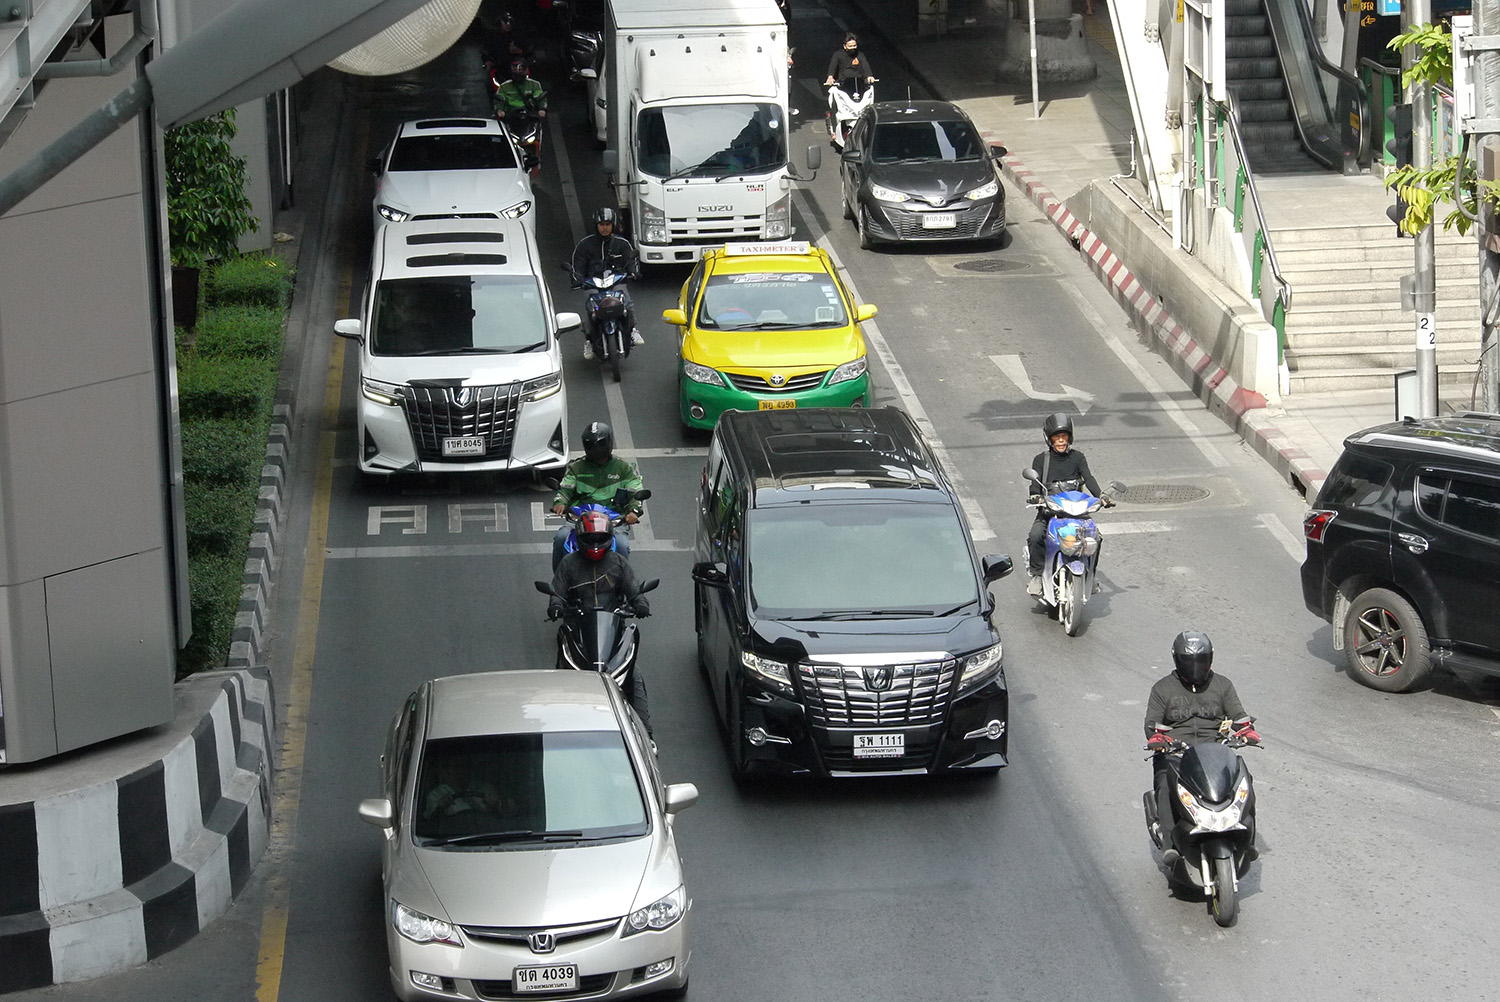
x=983 y=191
x=392 y=214
x=778 y=673
x=516 y=211
x=662 y=913
x=978 y=668
x=653 y=224
x=849 y=370
x=541 y=388
x=701 y=373
x=421 y=928
x=380 y=393
x=885 y=194
x=778 y=224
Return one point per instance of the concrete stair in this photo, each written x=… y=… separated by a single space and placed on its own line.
x=1346 y=329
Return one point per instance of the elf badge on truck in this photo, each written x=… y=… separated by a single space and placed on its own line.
x=697 y=98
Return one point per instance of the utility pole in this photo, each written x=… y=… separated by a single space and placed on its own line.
x=1424 y=285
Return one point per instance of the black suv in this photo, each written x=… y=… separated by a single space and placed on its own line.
x=843 y=617
x=1403 y=549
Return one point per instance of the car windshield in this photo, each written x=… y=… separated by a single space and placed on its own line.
x=452 y=152
x=869 y=558
x=458 y=314
x=503 y=789
x=919 y=142
x=798 y=300
x=710 y=140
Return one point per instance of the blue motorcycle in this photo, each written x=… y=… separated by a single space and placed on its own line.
x=1073 y=542
x=616 y=519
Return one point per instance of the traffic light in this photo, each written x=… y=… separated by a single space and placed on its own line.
x=1399 y=147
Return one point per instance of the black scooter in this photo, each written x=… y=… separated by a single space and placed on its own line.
x=1210 y=841
x=605 y=641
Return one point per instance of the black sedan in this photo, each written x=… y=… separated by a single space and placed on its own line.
x=919 y=170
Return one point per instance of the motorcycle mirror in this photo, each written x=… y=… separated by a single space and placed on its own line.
x=1118 y=487
x=644 y=494
x=530 y=160
x=544 y=588
x=814 y=157
x=1030 y=474
x=551 y=483
x=649 y=586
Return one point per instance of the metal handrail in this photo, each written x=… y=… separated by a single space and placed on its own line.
x=1366 y=118
x=1233 y=118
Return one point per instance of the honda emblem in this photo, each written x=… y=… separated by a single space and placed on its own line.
x=541 y=942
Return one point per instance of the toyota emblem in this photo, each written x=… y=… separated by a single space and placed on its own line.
x=462 y=396
x=541 y=942
x=778 y=379
x=878 y=677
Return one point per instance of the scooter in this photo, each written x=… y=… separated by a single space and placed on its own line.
x=1209 y=842
x=616 y=520
x=605 y=313
x=525 y=127
x=844 y=108
x=605 y=641
x=1073 y=542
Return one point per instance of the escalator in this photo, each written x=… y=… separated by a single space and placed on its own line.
x=1294 y=105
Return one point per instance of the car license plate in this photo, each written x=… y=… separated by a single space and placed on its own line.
x=939 y=220
x=468 y=445
x=879 y=745
x=778 y=405
x=548 y=978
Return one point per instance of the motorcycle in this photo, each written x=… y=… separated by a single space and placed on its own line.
x=1073 y=542
x=845 y=107
x=606 y=313
x=524 y=127
x=1209 y=842
x=616 y=520
x=605 y=641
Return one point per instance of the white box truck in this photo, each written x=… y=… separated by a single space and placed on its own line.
x=696 y=94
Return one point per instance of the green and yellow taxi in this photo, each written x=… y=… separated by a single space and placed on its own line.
x=767 y=327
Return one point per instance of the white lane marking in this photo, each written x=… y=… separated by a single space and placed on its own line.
x=565 y=177
x=477 y=549
x=694 y=451
x=539 y=513
x=1015 y=370
x=979 y=526
x=1126 y=528
x=1172 y=408
x=1294 y=547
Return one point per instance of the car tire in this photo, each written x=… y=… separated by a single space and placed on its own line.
x=866 y=242
x=1385 y=642
x=844 y=194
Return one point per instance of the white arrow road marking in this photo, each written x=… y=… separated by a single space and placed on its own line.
x=1015 y=370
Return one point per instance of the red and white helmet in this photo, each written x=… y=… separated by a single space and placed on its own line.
x=594 y=535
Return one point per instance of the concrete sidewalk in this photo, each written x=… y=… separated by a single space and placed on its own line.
x=1082 y=138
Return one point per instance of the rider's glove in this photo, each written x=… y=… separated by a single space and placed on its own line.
x=1159 y=741
x=1108 y=502
x=641 y=607
x=1248 y=734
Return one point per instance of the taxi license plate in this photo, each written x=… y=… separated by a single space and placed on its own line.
x=548 y=978
x=879 y=745
x=467 y=445
x=939 y=221
x=778 y=405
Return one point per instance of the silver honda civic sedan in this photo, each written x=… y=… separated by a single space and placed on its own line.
x=529 y=850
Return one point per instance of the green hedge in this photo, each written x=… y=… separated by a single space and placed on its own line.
x=226 y=387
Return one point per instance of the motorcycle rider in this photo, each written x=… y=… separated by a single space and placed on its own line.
x=1189 y=705
x=596 y=577
x=519 y=95
x=848 y=66
x=595 y=478
x=603 y=251
x=1059 y=462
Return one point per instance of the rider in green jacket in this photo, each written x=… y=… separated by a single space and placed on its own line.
x=596 y=478
x=520 y=94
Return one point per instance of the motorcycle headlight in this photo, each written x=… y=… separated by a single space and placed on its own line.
x=391 y=214
x=380 y=393
x=541 y=388
x=421 y=928
x=1206 y=819
x=983 y=191
x=701 y=373
x=653 y=224
x=885 y=194
x=516 y=211
x=849 y=370
x=778 y=224
x=778 y=673
x=1090 y=545
x=978 y=668
x=662 y=913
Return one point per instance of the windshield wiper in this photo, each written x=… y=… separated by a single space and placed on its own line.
x=697 y=166
x=526 y=348
x=788 y=325
x=510 y=836
x=866 y=614
x=961 y=605
x=469 y=350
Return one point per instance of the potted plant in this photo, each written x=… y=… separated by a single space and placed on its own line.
x=207 y=209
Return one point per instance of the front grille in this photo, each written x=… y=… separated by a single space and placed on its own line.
x=918 y=756
x=969 y=220
x=588 y=985
x=434 y=413
x=841 y=696
x=560 y=934
x=710 y=229
x=454 y=215
x=760 y=384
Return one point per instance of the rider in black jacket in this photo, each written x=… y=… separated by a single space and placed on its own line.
x=1060 y=462
x=849 y=66
x=603 y=251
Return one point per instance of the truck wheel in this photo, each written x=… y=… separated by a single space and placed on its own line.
x=1385 y=642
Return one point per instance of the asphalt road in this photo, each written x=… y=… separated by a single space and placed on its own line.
x=1377 y=812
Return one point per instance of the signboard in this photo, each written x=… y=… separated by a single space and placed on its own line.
x=1388 y=8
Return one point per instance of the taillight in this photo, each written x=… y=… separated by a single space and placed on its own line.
x=1316 y=523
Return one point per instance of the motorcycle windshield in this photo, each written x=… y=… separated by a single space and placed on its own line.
x=1209 y=771
x=598 y=633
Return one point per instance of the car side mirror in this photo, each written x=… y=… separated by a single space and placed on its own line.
x=713 y=575
x=610 y=161
x=1031 y=475
x=378 y=812
x=677 y=318
x=680 y=796
x=544 y=588
x=995 y=568
x=650 y=585
x=584 y=74
x=852 y=157
x=865 y=312
x=998 y=151
x=373 y=165
x=814 y=157
x=568 y=321
x=348 y=328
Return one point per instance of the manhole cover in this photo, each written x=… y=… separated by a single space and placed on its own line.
x=991 y=265
x=1163 y=493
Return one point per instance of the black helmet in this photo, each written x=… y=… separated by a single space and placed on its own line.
x=518 y=69
x=603 y=216
x=599 y=442
x=1193 y=654
x=1056 y=423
